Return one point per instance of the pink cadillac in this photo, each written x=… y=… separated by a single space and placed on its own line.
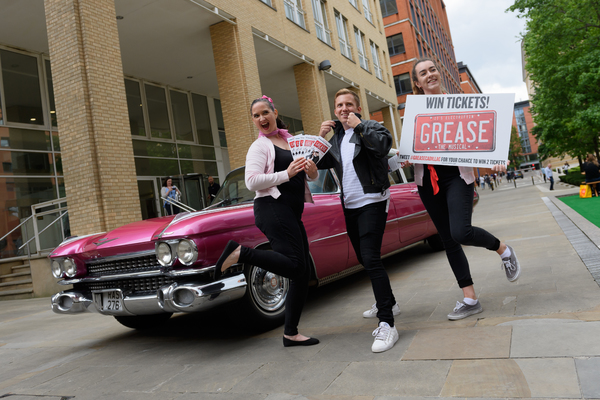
x=143 y=272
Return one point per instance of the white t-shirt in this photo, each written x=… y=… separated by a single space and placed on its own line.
x=354 y=197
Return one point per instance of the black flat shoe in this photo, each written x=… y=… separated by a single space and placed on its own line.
x=230 y=248
x=308 y=342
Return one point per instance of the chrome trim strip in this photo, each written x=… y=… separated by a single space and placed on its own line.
x=145 y=274
x=407 y=216
x=329 y=237
x=120 y=257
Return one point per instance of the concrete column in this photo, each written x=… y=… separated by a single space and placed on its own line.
x=363 y=102
x=312 y=96
x=91 y=108
x=391 y=120
x=239 y=85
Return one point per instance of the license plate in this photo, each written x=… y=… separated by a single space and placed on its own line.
x=111 y=301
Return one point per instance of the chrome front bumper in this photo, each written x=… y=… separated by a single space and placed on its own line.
x=188 y=297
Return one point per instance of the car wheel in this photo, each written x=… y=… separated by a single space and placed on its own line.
x=435 y=242
x=142 y=322
x=264 y=301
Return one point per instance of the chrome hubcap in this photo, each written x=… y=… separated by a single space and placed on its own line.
x=269 y=290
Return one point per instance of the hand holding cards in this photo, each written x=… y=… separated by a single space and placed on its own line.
x=309 y=147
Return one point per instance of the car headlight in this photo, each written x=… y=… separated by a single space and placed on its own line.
x=56 y=269
x=187 y=252
x=70 y=267
x=163 y=254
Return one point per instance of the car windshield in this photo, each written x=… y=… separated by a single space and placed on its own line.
x=233 y=190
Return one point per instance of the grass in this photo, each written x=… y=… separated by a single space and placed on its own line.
x=588 y=208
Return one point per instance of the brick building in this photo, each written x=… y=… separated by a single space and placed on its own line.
x=468 y=84
x=100 y=99
x=523 y=121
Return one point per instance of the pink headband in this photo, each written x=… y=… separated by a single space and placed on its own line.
x=268 y=98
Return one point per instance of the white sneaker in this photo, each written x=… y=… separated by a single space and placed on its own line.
x=385 y=337
x=372 y=313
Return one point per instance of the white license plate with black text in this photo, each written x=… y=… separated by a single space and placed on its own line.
x=111 y=301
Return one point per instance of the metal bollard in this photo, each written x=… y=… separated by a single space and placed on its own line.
x=515 y=182
x=532 y=181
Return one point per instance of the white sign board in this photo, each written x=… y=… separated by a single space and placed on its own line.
x=471 y=130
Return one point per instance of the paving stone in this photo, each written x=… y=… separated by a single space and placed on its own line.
x=219 y=379
x=561 y=338
x=291 y=377
x=463 y=343
x=416 y=378
x=485 y=378
x=550 y=377
x=588 y=370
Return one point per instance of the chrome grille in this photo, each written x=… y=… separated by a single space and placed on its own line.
x=136 y=285
x=124 y=266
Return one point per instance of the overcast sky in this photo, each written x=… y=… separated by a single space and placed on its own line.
x=486 y=39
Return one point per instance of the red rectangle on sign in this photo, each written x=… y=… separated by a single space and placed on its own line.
x=455 y=132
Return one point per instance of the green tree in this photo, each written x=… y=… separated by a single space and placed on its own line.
x=562 y=47
x=514 y=149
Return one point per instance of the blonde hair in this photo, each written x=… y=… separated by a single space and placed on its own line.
x=344 y=91
x=592 y=158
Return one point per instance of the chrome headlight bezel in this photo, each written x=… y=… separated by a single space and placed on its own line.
x=69 y=267
x=187 y=256
x=56 y=267
x=162 y=247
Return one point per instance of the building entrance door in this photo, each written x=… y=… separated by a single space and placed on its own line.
x=149 y=198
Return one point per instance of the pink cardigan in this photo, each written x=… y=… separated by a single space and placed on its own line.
x=466 y=173
x=260 y=171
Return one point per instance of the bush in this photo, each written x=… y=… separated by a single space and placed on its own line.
x=573 y=176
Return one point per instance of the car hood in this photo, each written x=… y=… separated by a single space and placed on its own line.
x=133 y=237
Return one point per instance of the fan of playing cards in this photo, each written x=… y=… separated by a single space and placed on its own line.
x=308 y=146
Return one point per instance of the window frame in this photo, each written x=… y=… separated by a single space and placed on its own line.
x=321 y=21
x=359 y=37
x=298 y=13
x=341 y=24
x=376 y=64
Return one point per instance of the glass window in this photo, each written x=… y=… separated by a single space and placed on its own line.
x=360 y=48
x=375 y=56
x=353 y=2
x=22 y=95
x=341 y=24
x=24 y=139
x=267 y=2
x=18 y=195
x=321 y=25
x=180 y=108
x=196 y=152
x=395 y=44
x=55 y=141
x=388 y=7
x=199 y=167
x=294 y=12
x=157 y=112
x=403 y=84
x=202 y=118
x=58 y=163
x=50 y=92
x=367 y=11
x=220 y=123
x=26 y=163
x=154 y=149
x=156 y=167
x=135 y=108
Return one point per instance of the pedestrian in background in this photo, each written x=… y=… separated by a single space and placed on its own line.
x=213 y=189
x=447 y=193
x=548 y=174
x=591 y=171
x=170 y=191
x=281 y=189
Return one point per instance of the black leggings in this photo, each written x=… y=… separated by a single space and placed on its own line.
x=455 y=227
x=281 y=221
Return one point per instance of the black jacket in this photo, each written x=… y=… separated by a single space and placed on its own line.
x=373 y=143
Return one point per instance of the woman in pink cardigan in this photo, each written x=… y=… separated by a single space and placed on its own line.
x=281 y=189
x=447 y=193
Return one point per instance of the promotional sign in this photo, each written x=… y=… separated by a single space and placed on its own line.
x=471 y=130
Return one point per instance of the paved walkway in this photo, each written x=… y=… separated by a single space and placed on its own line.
x=537 y=338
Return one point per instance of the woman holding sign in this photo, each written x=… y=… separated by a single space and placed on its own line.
x=281 y=191
x=447 y=193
